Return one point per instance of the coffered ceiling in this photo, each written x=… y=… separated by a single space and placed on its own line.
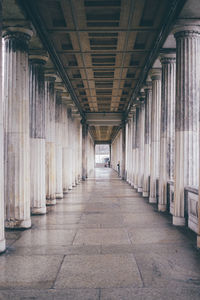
x=102 y=47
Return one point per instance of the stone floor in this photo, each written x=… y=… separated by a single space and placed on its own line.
x=102 y=241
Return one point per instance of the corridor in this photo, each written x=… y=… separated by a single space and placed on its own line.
x=101 y=241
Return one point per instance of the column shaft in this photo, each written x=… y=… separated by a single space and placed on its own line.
x=58 y=147
x=167 y=137
x=187 y=115
x=141 y=148
x=50 y=141
x=37 y=135
x=147 y=139
x=155 y=132
x=17 y=142
x=2 y=231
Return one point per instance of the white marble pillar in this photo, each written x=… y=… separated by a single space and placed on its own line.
x=17 y=142
x=70 y=148
x=65 y=151
x=123 y=155
x=141 y=145
x=58 y=146
x=187 y=115
x=37 y=134
x=155 y=132
x=133 y=147
x=84 y=149
x=167 y=135
x=2 y=231
x=136 y=148
x=147 y=138
x=50 y=140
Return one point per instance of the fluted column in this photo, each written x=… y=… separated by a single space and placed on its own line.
x=187 y=115
x=50 y=140
x=123 y=151
x=136 y=147
x=17 y=142
x=167 y=137
x=133 y=147
x=65 y=147
x=141 y=147
x=2 y=234
x=155 y=132
x=37 y=134
x=147 y=139
x=70 y=146
x=58 y=146
x=84 y=149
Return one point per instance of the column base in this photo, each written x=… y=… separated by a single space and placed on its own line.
x=152 y=200
x=198 y=241
x=73 y=184
x=59 y=196
x=162 y=207
x=65 y=191
x=2 y=245
x=70 y=187
x=135 y=186
x=15 y=224
x=145 y=194
x=38 y=210
x=178 y=221
x=139 y=189
x=50 y=202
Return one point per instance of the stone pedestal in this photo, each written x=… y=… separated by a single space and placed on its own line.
x=187 y=115
x=155 y=132
x=147 y=139
x=167 y=137
x=50 y=141
x=2 y=234
x=17 y=142
x=37 y=134
x=59 y=150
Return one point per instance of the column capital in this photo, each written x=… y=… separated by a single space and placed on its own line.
x=38 y=57
x=50 y=77
x=167 y=58
x=148 y=85
x=155 y=74
x=186 y=28
x=19 y=36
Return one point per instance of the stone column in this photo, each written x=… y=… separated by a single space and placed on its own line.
x=123 y=151
x=58 y=146
x=147 y=139
x=84 y=149
x=37 y=134
x=167 y=137
x=155 y=132
x=50 y=140
x=133 y=146
x=2 y=234
x=17 y=142
x=187 y=115
x=136 y=147
x=141 y=146
x=65 y=151
x=70 y=146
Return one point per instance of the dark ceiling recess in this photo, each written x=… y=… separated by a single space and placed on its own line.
x=103 y=49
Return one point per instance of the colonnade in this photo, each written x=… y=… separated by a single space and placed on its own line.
x=40 y=134
x=162 y=130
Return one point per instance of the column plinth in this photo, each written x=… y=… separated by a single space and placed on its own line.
x=186 y=115
x=17 y=142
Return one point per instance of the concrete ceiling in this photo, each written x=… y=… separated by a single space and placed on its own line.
x=101 y=48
